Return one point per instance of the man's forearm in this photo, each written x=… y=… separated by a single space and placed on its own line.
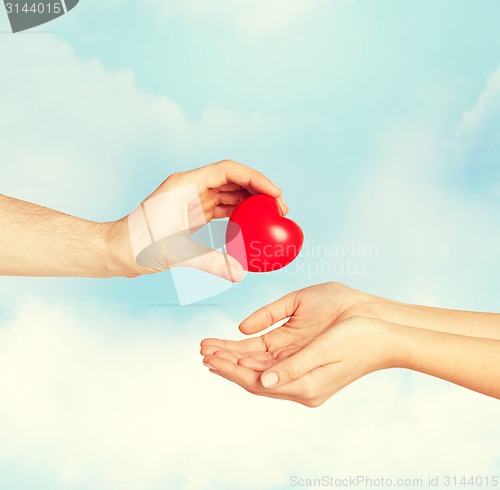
x=37 y=241
x=466 y=361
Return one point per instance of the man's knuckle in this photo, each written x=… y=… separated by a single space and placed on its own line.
x=269 y=315
x=174 y=177
x=337 y=287
x=207 y=262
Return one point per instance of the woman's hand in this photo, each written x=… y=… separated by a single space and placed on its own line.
x=308 y=365
x=322 y=340
x=310 y=311
x=331 y=339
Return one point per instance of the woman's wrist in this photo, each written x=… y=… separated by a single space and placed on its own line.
x=366 y=305
x=380 y=339
x=358 y=303
x=400 y=313
x=388 y=341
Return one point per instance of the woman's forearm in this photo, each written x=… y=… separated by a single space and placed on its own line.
x=470 y=323
x=470 y=362
x=37 y=241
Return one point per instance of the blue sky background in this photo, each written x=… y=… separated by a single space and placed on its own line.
x=380 y=122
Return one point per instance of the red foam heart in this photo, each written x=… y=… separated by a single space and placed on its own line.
x=260 y=237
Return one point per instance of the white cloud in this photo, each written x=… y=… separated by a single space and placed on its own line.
x=476 y=141
x=487 y=108
x=96 y=399
x=79 y=138
x=435 y=227
x=256 y=16
x=67 y=127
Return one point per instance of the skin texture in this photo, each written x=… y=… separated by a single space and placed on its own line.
x=334 y=335
x=70 y=246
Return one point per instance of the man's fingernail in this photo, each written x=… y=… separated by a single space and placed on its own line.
x=232 y=273
x=269 y=379
x=283 y=206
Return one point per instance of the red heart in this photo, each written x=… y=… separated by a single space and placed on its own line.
x=260 y=237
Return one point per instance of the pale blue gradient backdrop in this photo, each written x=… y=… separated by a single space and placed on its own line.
x=330 y=84
x=356 y=109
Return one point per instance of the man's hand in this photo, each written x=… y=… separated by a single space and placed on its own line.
x=37 y=241
x=160 y=230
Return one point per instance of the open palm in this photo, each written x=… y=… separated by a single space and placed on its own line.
x=325 y=344
x=310 y=312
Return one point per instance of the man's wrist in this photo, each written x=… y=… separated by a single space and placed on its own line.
x=119 y=260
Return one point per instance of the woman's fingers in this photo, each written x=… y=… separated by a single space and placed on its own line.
x=268 y=315
x=253 y=345
x=286 y=352
x=258 y=365
x=241 y=375
x=236 y=356
x=303 y=390
x=230 y=356
x=297 y=365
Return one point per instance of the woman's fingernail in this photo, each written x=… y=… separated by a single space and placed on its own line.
x=211 y=367
x=269 y=379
